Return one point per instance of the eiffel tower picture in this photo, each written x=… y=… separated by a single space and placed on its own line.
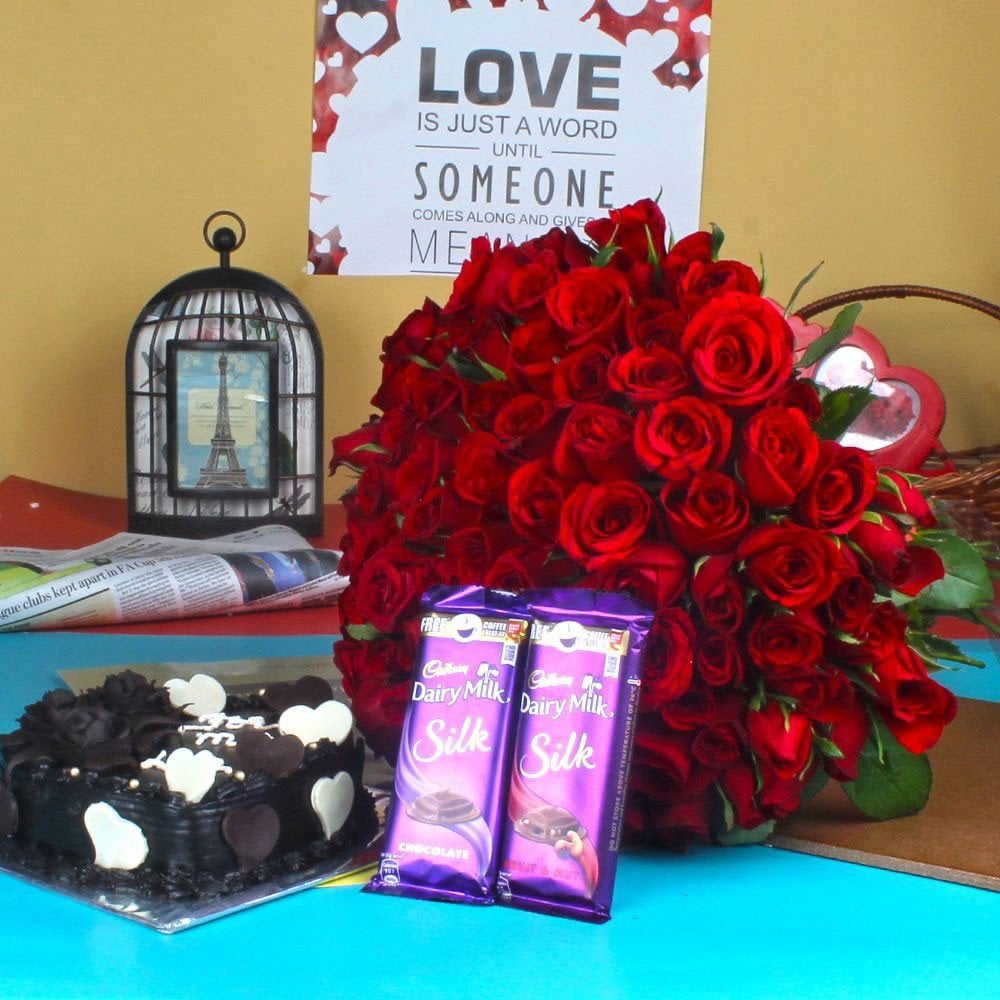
x=223 y=469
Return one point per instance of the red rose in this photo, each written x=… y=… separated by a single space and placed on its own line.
x=582 y=375
x=596 y=443
x=603 y=525
x=740 y=784
x=535 y=349
x=529 y=284
x=842 y=486
x=696 y=707
x=438 y=512
x=782 y=644
x=790 y=564
x=654 y=322
x=359 y=449
x=704 y=279
x=482 y=403
x=822 y=695
x=471 y=274
x=915 y=708
x=718 y=594
x=527 y=424
x=655 y=573
x=849 y=735
x=718 y=746
x=638 y=230
x=481 y=468
x=388 y=586
x=849 y=608
x=718 y=660
x=379 y=709
x=710 y=516
x=472 y=550
x=775 y=456
x=525 y=566
x=535 y=497
x=904 y=498
x=589 y=303
x=739 y=348
x=781 y=738
x=679 y=437
x=801 y=395
x=885 y=632
x=669 y=662
x=906 y=568
x=648 y=374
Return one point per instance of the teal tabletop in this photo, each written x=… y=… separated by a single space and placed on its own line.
x=744 y=923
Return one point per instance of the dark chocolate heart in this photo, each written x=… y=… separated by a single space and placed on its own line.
x=309 y=690
x=251 y=833
x=8 y=812
x=276 y=755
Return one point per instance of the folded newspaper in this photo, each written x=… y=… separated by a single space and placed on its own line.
x=132 y=578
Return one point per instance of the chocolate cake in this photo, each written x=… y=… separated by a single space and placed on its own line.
x=181 y=790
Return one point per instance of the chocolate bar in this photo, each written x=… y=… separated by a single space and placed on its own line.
x=450 y=782
x=573 y=747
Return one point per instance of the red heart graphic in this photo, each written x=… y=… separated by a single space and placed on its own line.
x=899 y=428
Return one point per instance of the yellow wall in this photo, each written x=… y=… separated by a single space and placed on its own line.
x=863 y=134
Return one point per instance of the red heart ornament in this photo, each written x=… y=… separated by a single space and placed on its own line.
x=899 y=427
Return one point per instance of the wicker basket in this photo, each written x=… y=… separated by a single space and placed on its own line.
x=963 y=485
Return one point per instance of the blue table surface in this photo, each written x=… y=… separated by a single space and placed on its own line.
x=728 y=923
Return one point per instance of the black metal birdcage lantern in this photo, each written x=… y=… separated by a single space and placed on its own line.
x=224 y=404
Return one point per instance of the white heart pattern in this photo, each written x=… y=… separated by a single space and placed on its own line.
x=362 y=31
x=331 y=800
x=192 y=774
x=330 y=721
x=202 y=695
x=118 y=842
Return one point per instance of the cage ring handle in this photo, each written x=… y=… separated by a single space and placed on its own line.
x=224 y=241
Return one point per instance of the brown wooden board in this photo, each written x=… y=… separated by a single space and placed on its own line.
x=957 y=835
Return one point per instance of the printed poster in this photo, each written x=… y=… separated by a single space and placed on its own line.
x=437 y=121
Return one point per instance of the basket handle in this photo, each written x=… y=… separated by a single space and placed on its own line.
x=897 y=292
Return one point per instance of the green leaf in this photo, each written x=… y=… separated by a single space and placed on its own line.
x=738 y=836
x=763 y=275
x=966 y=582
x=798 y=288
x=891 y=782
x=718 y=237
x=934 y=648
x=494 y=373
x=423 y=362
x=363 y=632
x=603 y=256
x=842 y=326
x=841 y=407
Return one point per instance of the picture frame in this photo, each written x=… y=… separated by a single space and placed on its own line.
x=222 y=419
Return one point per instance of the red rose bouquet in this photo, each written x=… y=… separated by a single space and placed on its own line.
x=624 y=415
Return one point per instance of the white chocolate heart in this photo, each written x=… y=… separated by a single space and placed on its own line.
x=118 y=842
x=202 y=695
x=331 y=800
x=192 y=774
x=332 y=721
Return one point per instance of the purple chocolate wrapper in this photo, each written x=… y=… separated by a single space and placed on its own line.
x=575 y=730
x=450 y=784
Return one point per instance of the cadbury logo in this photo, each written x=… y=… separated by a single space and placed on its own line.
x=545 y=679
x=436 y=668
